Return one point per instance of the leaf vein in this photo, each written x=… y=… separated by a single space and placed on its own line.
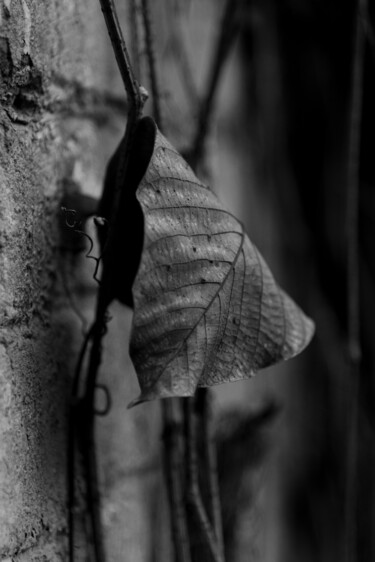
x=144 y=324
x=205 y=312
x=198 y=207
x=188 y=262
x=241 y=300
x=219 y=339
x=177 y=178
x=154 y=242
x=260 y=301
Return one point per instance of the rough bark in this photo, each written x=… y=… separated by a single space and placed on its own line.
x=62 y=114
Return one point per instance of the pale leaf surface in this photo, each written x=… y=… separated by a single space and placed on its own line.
x=207 y=309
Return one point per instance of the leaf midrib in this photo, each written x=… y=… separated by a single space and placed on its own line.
x=206 y=310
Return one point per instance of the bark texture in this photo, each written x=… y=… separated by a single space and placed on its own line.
x=62 y=113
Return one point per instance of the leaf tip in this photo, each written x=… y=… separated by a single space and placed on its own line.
x=160 y=393
x=301 y=338
x=147 y=397
x=135 y=402
x=310 y=330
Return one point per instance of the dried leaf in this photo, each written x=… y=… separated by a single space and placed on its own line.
x=129 y=225
x=207 y=309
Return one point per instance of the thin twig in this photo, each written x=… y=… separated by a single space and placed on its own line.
x=193 y=492
x=135 y=40
x=209 y=451
x=137 y=97
x=353 y=304
x=72 y=426
x=174 y=466
x=228 y=31
x=93 y=498
x=72 y=303
x=85 y=417
x=150 y=52
x=71 y=458
x=122 y=55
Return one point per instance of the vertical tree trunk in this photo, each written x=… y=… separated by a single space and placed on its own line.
x=43 y=68
x=62 y=114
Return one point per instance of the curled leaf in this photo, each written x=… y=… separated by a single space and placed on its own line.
x=207 y=309
x=127 y=219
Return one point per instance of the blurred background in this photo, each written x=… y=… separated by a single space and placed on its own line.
x=289 y=151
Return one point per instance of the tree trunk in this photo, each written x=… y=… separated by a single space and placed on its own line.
x=63 y=113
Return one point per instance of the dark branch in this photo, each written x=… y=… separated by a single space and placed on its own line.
x=135 y=98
